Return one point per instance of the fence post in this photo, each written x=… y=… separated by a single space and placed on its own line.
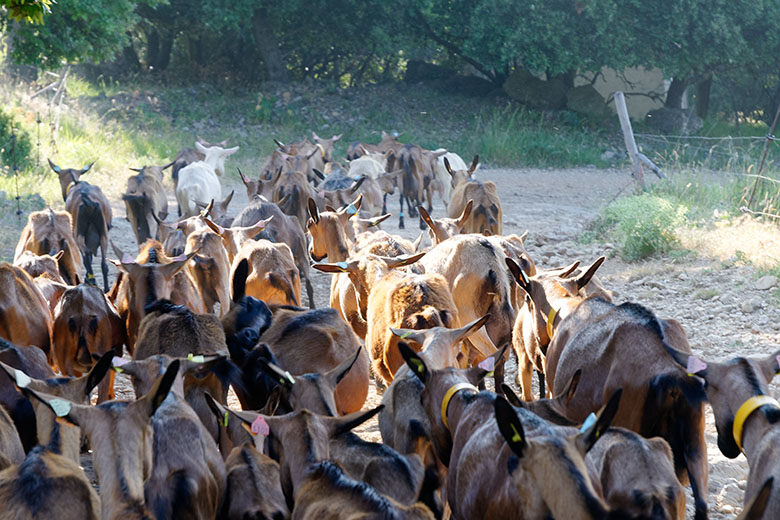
x=628 y=136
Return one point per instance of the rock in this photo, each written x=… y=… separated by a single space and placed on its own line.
x=526 y=88
x=751 y=305
x=673 y=121
x=766 y=282
x=608 y=156
x=586 y=100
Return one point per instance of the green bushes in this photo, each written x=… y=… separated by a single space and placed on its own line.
x=642 y=225
x=23 y=145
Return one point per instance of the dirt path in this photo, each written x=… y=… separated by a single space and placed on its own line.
x=705 y=295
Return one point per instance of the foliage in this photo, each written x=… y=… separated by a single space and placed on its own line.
x=20 y=151
x=643 y=225
x=30 y=11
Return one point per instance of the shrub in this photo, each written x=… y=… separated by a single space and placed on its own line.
x=23 y=145
x=642 y=225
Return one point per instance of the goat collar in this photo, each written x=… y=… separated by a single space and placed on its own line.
x=454 y=389
x=550 y=320
x=747 y=408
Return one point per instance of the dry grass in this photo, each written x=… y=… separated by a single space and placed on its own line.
x=743 y=239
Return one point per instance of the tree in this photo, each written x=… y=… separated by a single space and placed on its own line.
x=30 y=11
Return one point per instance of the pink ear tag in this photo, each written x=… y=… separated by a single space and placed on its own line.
x=127 y=259
x=695 y=365
x=488 y=364
x=179 y=258
x=260 y=427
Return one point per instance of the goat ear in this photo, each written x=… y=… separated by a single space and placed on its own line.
x=338 y=267
x=477 y=374
x=54 y=167
x=567 y=271
x=770 y=366
x=682 y=359
x=418 y=336
x=426 y=216
x=139 y=170
x=282 y=376
x=466 y=213
x=511 y=396
x=231 y=151
x=401 y=261
x=371 y=222
x=510 y=426
x=59 y=255
x=169 y=270
x=71 y=412
x=570 y=389
x=357 y=184
x=414 y=361
x=519 y=275
x=313 y=211
x=207 y=209
x=448 y=167
x=86 y=168
x=416 y=244
x=239 y=280
x=347 y=422
x=278 y=143
x=467 y=330
x=756 y=508
x=335 y=375
x=586 y=439
x=159 y=391
x=99 y=371
x=318 y=174
x=583 y=279
x=474 y=163
x=216 y=228
x=244 y=178
x=337 y=137
x=227 y=200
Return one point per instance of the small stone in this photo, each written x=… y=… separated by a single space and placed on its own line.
x=608 y=155
x=751 y=305
x=727 y=509
x=766 y=282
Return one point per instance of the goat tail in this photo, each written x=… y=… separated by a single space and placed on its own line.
x=90 y=224
x=674 y=410
x=174 y=497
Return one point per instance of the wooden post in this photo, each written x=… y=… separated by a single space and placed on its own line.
x=628 y=136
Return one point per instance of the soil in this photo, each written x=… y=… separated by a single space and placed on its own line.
x=705 y=294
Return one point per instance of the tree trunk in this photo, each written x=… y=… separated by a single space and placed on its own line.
x=152 y=49
x=268 y=45
x=703 y=89
x=8 y=40
x=676 y=92
x=164 y=56
x=130 y=56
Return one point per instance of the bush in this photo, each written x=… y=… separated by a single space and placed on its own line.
x=23 y=145
x=642 y=225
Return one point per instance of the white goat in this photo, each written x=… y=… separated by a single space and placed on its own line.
x=199 y=181
x=456 y=163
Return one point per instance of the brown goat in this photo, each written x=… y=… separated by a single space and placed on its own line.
x=48 y=485
x=388 y=142
x=78 y=390
x=272 y=274
x=147 y=279
x=85 y=324
x=46 y=275
x=486 y=216
x=145 y=201
x=176 y=331
x=91 y=215
x=188 y=475
x=25 y=318
x=218 y=210
x=409 y=158
x=623 y=347
x=68 y=175
x=326 y=146
x=121 y=443
x=209 y=268
x=11 y=449
x=48 y=232
x=746 y=417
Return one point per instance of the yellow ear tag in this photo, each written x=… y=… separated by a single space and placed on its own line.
x=406 y=334
x=195 y=359
x=22 y=379
x=516 y=437
x=225 y=419
x=61 y=407
x=589 y=421
x=418 y=365
x=117 y=362
x=550 y=321
x=778 y=363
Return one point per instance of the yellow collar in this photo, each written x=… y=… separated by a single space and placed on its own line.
x=747 y=408
x=322 y=150
x=454 y=389
x=550 y=320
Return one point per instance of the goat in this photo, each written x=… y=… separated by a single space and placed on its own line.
x=121 y=443
x=746 y=417
x=91 y=215
x=188 y=156
x=145 y=201
x=176 y=331
x=32 y=361
x=209 y=268
x=68 y=175
x=326 y=146
x=486 y=216
x=273 y=276
x=409 y=159
x=317 y=487
x=282 y=228
x=11 y=449
x=78 y=390
x=441 y=229
x=86 y=324
x=48 y=232
x=388 y=142
x=623 y=347
x=147 y=279
x=25 y=318
x=46 y=274
x=443 y=176
x=188 y=476
x=218 y=210
x=199 y=181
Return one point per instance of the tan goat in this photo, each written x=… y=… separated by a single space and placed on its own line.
x=486 y=216
x=209 y=268
x=46 y=275
x=48 y=232
x=11 y=449
x=120 y=437
x=90 y=212
x=145 y=201
x=272 y=274
x=25 y=318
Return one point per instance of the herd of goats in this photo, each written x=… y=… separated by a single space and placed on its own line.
x=213 y=303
